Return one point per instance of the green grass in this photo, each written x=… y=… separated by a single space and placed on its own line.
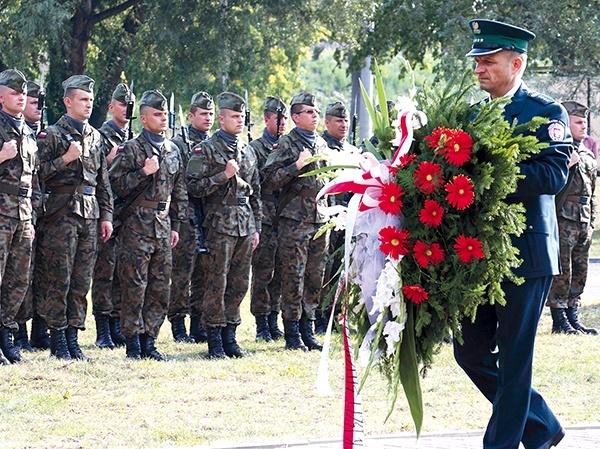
x=111 y=402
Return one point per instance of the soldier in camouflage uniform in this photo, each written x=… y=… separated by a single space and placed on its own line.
x=33 y=116
x=18 y=180
x=576 y=212
x=336 y=132
x=299 y=220
x=106 y=290
x=73 y=169
x=190 y=247
x=223 y=171
x=265 y=291
x=146 y=175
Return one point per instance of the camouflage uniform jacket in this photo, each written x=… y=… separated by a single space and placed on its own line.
x=231 y=206
x=110 y=138
x=185 y=151
x=281 y=170
x=581 y=204
x=88 y=171
x=165 y=186
x=262 y=149
x=20 y=176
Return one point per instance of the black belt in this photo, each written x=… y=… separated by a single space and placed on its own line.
x=239 y=201
x=268 y=197
x=579 y=199
x=307 y=192
x=14 y=190
x=85 y=190
x=158 y=205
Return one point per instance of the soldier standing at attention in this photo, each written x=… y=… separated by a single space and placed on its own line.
x=265 y=293
x=73 y=168
x=189 y=249
x=146 y=175
x=33 y=116
x=18 y=180
x=223 y=171
x=299 y=220
x=106 y=290
x=576 y=209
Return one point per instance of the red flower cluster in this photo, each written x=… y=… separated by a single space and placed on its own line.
x=454 y=144
x=415 y=293
x=426 y=255
x=468 y=249
x=428 y=177
x=389 y=199
x=460 y=192
x=394 y=242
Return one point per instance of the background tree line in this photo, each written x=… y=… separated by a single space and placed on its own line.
x=262 y=47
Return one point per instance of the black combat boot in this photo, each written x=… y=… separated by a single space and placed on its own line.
x=58 y=344
x=103 y=337
x=276 y=333
x=573 y=318
x=39 y=334
x=73 y=344
x=149 y=350
x=292 y=336
x=11 y=352
x=321 y=322
x=197 y=332
x=133 y=348
x=114 y=323
x=308 y=337
x=262 y=328
x=232 y=349
x=3 y=360
x=21 y=338
x=560 y=323
x=215 y=343
x=179 y=333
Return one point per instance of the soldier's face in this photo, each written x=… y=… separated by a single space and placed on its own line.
x=271 y=123
x=154 y=120
x=202 y=119
x=337 y=127
x=498 y=73
x=231 y=122
x=31 y=111
x=578 y=127
x=79 y=104
x=118 y=111
x=307 y=118
x=13 y=102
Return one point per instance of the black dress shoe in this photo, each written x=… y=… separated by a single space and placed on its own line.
x=558 y=436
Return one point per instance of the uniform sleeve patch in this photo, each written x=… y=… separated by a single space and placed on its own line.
x=198 y=149
x=120 y=149
x=42 y=134
x=556 y=130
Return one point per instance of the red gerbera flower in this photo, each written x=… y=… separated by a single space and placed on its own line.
x=438 y=137
x=415 y=293
x=428 y=177
x=468 y=248
x=431 y=214
x=406 y=159
x=457 y=149
x=426 y=255
x=394 y=242
x=389 y=199
x=460 y=192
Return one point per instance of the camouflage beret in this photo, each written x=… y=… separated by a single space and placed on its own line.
x=154 y=99
x=203 y=100
x=575 y=108
x=81 y=82
x=14 y=79
x=34 y=89
x=122 y=93
x=273 y=103
x=304 y=98
x=228 y=100
x=337 y=109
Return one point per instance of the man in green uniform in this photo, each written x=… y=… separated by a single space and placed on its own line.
x=73 y=168
x=18 y=179
x=147 y=175
x=223 y=171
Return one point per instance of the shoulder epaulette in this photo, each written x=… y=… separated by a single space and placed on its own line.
x=541 y=98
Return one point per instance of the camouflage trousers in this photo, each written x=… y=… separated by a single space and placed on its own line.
x=106 y=289
x=144 y=270
x=226 y=275
x=184 y=256
x=15 y=259
x=197 y=286
x=303 y=267
x=69 y=248
x=575 y=241
x=29 y=306
x=265 y=286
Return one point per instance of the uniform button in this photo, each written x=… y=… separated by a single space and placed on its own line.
x=530 y=227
